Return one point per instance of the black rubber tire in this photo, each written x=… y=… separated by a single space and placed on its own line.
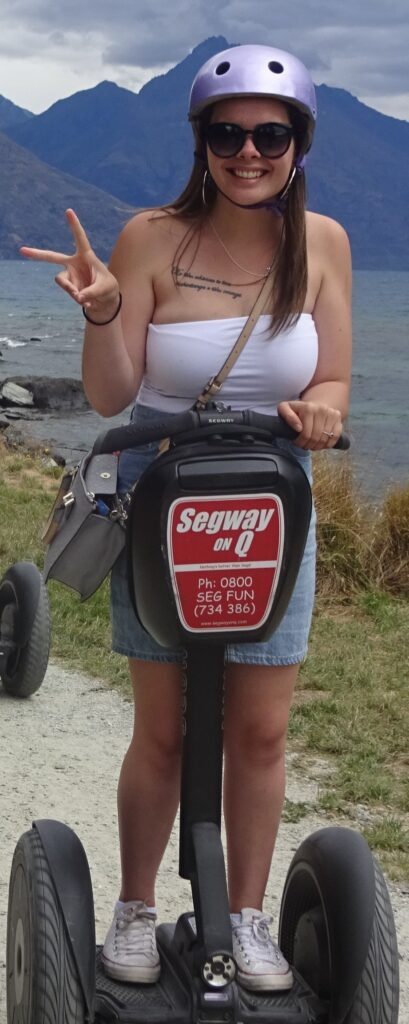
x=304 y=940
x=25 y=669
x=42 y=980
x=377 y=998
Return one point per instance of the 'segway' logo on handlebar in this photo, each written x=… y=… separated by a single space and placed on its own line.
x=219 y=419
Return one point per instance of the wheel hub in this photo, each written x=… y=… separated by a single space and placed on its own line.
x=219 y=970
x=19 y=961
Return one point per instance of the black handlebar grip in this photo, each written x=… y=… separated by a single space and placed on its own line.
x=343 y=443
x=278 y=427
x=131 y=435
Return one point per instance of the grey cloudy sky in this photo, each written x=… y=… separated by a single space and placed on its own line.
x=49 y=50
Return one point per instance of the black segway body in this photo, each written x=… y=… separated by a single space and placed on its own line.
x=217 y=529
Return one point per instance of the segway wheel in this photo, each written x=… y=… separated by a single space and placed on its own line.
x=311 y=926
x=377 y=998
x=26 y=664
x=42 y=981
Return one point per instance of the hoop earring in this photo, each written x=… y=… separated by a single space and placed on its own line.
x=205 y=177
x=286 y=189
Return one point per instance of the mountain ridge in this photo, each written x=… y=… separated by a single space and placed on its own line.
x=34 y=197
x=11 y=114
x=138 y=147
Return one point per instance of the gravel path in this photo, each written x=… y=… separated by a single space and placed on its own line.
x=60 y=755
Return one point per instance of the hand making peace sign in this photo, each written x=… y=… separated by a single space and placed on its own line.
x=85 y=278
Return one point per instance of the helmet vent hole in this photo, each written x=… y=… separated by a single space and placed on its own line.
x=276 y=67
x=222 y=68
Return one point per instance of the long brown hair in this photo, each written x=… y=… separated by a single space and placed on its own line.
x=289 y=280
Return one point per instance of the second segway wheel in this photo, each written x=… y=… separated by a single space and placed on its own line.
x=337 y=928
x=42 y=981
x=25 y=629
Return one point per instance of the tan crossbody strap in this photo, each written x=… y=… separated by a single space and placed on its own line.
x=214 y=384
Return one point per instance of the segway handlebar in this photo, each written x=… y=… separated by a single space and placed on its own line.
x=225 y=422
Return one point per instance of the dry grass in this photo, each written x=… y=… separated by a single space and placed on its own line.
x=390 y=543
x=359 y=546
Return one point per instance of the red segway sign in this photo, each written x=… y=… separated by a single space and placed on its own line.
x=224 y=557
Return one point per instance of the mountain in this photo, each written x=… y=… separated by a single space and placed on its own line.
x=133 y=145
x=76 y=132
x=354 y=174
x=33 y=197
x=139 y=147
x=11 y=115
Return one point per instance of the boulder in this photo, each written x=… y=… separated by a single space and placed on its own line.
x=54 y=393
x=15 y=394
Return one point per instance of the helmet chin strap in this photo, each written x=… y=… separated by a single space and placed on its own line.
x=276 y=204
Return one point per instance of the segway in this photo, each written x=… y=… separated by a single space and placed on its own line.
x=24 y=629
x=216 y=532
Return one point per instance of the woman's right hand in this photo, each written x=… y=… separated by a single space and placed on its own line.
x=85 y=278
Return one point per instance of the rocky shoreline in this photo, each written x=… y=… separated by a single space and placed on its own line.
x=23 y=398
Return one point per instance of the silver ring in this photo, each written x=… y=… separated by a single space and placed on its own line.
x=329 y=433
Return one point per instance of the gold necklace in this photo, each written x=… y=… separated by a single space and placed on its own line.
x=236 y=264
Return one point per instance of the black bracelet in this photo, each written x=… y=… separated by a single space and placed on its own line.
x=102 y=323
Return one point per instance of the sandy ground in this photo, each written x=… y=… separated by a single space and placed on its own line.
x=60 y=755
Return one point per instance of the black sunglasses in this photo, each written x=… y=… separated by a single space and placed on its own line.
x=270 y=139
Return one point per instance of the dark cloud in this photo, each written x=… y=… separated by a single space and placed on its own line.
x=359 y=46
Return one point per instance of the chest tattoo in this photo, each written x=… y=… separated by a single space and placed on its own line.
x=200 y=283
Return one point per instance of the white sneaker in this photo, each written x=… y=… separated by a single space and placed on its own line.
x=260 y=964
x=130 y=952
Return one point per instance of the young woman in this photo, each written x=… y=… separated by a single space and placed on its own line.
x=161 y=319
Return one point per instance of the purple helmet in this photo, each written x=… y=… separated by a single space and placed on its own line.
x=256 y=71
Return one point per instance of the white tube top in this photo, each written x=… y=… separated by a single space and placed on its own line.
x=181 y=357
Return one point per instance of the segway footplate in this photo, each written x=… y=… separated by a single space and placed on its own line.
x=297 y=1006
x=167 y=1002
x=163 y=1003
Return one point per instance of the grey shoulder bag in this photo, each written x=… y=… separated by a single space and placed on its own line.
x=85 y=530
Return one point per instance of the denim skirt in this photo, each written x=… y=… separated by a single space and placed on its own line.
x=289 y=643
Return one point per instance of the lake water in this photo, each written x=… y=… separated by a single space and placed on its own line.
x=41 y=335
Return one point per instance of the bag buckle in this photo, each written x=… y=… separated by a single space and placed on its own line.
x=210 y=389
x=68 y=499
x=118 y=513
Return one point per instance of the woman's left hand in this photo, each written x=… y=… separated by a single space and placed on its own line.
x=318 y=425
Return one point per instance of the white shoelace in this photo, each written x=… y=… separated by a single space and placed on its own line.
x=134 y=932
x=255 y=940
